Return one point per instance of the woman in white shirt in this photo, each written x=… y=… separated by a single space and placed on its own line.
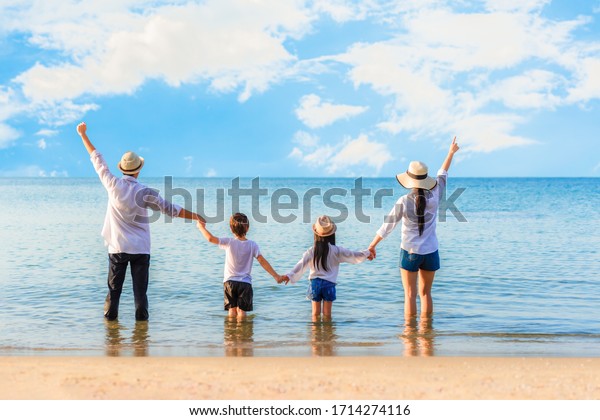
x=324 y=259
x=417 y=211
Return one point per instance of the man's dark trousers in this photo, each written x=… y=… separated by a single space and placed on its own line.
x=117 y=268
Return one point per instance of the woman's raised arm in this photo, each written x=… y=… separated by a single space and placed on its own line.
x=453 y=149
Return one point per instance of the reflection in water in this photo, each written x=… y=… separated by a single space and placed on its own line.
x=139 y=338
x=418 y=336
x=116 y=343
x=323 y=337
x=238 y=336
x=114 y=338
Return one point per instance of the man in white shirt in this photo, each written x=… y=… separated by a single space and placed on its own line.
x=126 y=229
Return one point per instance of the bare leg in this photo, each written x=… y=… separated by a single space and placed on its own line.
x=409 y=282
x=327 y=309
x=241 y=314
x=425 y=284
x=316 y=310
x=233 y=312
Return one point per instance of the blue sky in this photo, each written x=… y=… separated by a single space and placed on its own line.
x=301 y=88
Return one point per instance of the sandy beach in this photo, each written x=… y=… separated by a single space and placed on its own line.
x=163 y=378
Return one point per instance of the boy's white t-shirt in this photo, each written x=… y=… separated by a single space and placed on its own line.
x=239 y=256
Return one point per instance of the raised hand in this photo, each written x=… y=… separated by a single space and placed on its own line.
x=451 y=151
x=81 y=128
x=453 y=146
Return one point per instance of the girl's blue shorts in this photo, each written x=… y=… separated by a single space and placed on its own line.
x=322 y=290
x=414 y=262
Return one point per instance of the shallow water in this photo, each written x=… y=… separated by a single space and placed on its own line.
x=521 y=277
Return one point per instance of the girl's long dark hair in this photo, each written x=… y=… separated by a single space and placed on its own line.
x=321 y=250
x=421 y=203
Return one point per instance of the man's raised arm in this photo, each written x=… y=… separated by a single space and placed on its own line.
x=81 y=129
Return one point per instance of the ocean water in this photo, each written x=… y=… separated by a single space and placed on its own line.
x=520 y=272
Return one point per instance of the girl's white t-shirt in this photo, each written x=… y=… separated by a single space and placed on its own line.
x=239 y=256
x=335 y=257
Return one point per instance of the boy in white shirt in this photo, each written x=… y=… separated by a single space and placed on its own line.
x=239 y=255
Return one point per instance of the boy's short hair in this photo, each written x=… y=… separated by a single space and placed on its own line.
x=239 y=224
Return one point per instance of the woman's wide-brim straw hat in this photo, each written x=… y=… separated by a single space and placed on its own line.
x=324 y=226
x=131 y=163
x=416 y=177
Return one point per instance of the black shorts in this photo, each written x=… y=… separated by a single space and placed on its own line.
x=237 y=294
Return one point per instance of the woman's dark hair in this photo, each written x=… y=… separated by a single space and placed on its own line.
x=421 y=203
x=321 y=250
x=239 y=224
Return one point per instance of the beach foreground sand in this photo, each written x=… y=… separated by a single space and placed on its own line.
x=163 y=378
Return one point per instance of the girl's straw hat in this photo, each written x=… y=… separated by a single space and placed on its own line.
x=416 y=177
x=324 y=226
x=130 y=163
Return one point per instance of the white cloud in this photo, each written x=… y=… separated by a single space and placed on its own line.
x=46 y=132
x=488 y=132
x=532 y=89
x=230 y=44
x=492 y=51
x=7 y=135
x=305 y=139
x=344 y=10
x=588 y=83
x=312 y=154
x=62 y=112
x=211 y=173
x=74 y=27
x=41 y=144
x=495 y=40
x=361 y=151
x=356 y=153
x=512 y=60
x=8 y=108
x=314 y=113
x=515 y=5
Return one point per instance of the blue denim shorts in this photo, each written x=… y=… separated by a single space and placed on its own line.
x=414 y=262
x=322 y=290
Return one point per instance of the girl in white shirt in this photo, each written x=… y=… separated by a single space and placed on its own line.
x=323 y=259
x=417 y=212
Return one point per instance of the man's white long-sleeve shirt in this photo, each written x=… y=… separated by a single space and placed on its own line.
x=126 y=228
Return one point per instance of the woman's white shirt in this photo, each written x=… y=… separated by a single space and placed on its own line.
x=404 y=212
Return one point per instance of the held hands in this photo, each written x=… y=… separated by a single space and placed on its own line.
x=372 y=254
x=282 y=279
